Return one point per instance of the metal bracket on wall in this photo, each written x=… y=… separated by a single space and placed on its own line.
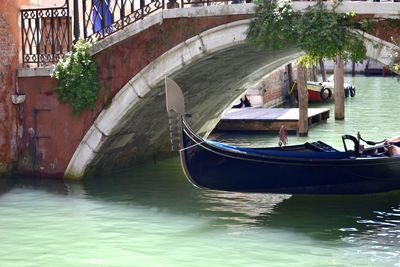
x=36 y=137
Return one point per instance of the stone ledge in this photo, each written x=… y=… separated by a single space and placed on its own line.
x=384 y=9
x=207 y=11
x=35 y=72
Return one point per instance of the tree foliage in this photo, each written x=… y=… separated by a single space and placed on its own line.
x=273 y=25
x=320 y=32
x=78 y=79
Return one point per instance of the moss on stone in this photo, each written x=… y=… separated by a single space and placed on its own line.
x=6 y=170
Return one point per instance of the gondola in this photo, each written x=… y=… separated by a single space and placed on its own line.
x=309 y=168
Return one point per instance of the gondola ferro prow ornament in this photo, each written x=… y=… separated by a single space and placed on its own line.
x=175 y=103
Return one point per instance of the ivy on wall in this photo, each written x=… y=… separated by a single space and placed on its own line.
x=77 y=76
x=320 y=32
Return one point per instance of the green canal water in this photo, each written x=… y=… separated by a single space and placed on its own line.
x=151 y=216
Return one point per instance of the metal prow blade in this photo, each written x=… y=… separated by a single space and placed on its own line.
x=176 y=108
x=175 y=98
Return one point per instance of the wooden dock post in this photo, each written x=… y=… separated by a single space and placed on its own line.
x=323 y=71
x=303 y=100
x=339 y=88
x=293 y=101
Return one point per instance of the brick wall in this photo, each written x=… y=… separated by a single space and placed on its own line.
x=9 y=42
x=271 y=91
x=387 y=30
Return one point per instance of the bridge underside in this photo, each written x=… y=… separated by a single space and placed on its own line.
x=210 y=85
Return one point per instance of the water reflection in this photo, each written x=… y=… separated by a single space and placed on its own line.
x=49 y=185
x=6 y=184
x=155 y=204
x=164 y=187
x=241 y=207
x=321 y=217
x=334 y=217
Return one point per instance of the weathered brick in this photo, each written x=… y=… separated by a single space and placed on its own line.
x=8 y=64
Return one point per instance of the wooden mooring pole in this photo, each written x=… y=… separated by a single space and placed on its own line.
x=323 y=71
x=339 y=90
x=293 y=100
x=303 y=100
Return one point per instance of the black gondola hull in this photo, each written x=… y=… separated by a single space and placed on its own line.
x=216 y=168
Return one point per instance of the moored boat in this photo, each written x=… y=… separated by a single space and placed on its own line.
x=309 y=168
x=323 y=91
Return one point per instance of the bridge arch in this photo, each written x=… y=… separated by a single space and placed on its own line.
x=111 y=130
x=122 y=57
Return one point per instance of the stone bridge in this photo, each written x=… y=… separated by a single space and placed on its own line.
x=202 y=48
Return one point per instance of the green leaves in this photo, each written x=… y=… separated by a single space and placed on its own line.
x=77 y=76
x=273 y=25
x=320 y=32
x=354 y=49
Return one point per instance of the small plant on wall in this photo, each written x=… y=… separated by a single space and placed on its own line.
x=78 y=79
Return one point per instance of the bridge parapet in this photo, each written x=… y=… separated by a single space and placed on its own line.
x=46 y=33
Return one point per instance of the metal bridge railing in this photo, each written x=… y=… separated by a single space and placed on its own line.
x=47 y=32
x=194 y=3
x=104 y=17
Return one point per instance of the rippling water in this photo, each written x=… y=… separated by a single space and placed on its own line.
x=151 y=216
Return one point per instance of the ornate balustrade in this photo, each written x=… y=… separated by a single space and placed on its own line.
x=104 y=17
x=46 y=34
